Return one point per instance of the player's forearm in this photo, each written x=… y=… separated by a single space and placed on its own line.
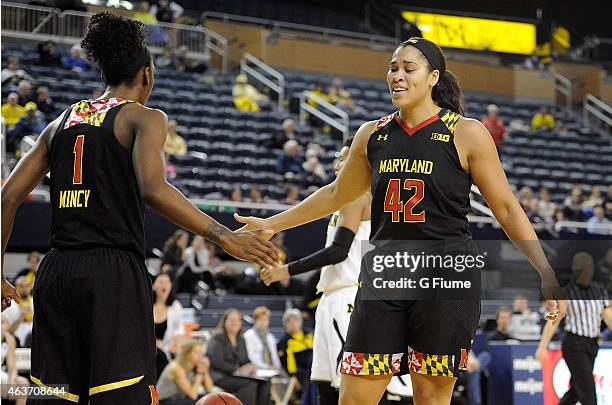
x=318 y=205
x=173 y=205
x=516 y=225
x=8 y=216
x=547 y=334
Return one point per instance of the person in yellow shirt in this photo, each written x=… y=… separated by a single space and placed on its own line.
x=543 y=120
x=11 y=111
x=339 y=96
x=175 y=144
x=143 y=14
x=318 y=92
x=246 y=97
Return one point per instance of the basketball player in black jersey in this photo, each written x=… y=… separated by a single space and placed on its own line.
x=93 y=328
x=419 y=163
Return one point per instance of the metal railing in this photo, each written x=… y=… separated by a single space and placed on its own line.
x=304 y=31
x=341 y=122
x=44 y=23
x=564 y=86
x=478 y=206
x=592 y=106
x=274 y=80
x=569 y=225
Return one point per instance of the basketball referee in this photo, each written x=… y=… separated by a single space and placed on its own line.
x=588 y=304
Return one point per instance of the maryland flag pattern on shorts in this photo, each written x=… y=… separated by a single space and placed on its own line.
x=431 y=364
x=370 y=364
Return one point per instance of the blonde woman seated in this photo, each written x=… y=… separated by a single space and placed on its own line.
x=186 y=377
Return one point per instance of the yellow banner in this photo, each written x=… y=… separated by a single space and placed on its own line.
x=475 y=33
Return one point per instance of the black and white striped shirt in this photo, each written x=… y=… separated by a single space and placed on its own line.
x=584 y=308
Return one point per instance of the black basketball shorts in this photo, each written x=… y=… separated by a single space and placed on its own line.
x=93 y=327
x=397 y=337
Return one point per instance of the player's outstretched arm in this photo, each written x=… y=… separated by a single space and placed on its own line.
x=349 y=220
x=149 y=164
x=352 y=181
x=27 y=174
x=489 y=176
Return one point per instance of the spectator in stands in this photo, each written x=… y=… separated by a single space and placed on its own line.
x=187 y=376
x=43 y=101
x=31 y=268
x=289 y=161
x=228 y=355
x=525 y=323
x=480 y=363
x=20 y=316
x=166 y=10
x=175 y=144
x=534 y=216
x=295 y=352
x=495 y=125
x=143 y=14
x=197 y=267
x=32 y=123
x=12 y=74
x=598 y=218
x=609 y=194
x=260 y=343
x=24 y=92
x=9 y=376
x=12 y=111
x=47 y=54
x=595 y=199
x=573 y=205
x=76 y=61
x=546 y=206
x=603 y=271
x=174 y=249
x=183 y=64
x=170 y=169
x=167 y=314
x=315 y=172
x=278 y=139
x=165 y=60
x=246 y=97
x=525 y=196
x=340 y=97
x=318 y=91
x=608 y=209
x=255 y=194
x=543 y=120
x=236 y=194
x=293 y=196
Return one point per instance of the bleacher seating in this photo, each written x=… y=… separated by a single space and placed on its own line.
x=225 y=144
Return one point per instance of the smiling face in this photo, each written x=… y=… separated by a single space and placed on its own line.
x=162 y=286
x=409 y=78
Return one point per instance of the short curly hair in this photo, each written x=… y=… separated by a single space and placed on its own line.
x=118 y=46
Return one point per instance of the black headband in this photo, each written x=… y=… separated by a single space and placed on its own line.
x=431 y=52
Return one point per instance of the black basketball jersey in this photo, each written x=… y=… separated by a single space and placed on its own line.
x=95 y=196
x=419 y=189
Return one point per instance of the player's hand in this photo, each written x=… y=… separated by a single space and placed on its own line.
x=255 y=224
x=272 y=274
x=553 y=296
x=9 y=293
x=249 y=247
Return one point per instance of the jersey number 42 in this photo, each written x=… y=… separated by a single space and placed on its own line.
x=395 y=205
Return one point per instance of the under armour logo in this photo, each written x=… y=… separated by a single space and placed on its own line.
x=382 y=137
x=413 y=41
x=349 y=308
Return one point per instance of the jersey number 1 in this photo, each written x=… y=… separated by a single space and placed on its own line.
x=396 y=206
x=77 y=176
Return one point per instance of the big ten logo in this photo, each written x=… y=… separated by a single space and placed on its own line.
x=440 y=137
